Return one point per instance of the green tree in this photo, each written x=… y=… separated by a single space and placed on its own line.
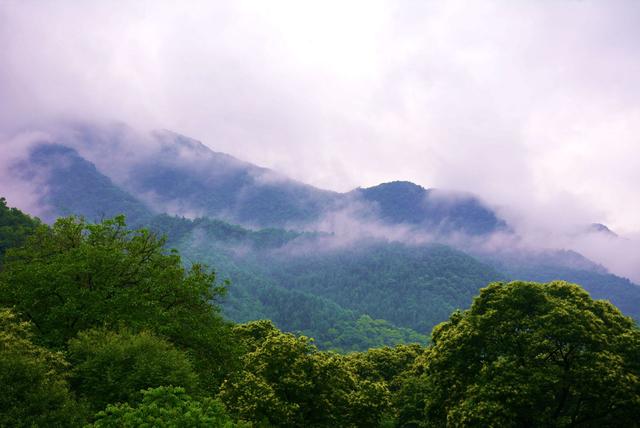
x=76 y=276
x=166 y=407
x=285 y=381
x=33 y=380
x=15 y=227
x=389 y=366
x=529 y=355
x=110 y=367
x=385 y=364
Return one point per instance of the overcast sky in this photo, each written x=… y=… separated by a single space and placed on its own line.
x=535 y=106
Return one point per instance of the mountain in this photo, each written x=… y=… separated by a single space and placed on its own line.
x=601 y=229
x=412 y=286
x=192 y=179
x=403 y=202
x=186 y=174
x=178 y=175
x=309 y=282
x=249 y=260
x=259 y=230
x=73 y=186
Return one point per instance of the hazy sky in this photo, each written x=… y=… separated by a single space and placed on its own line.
x=535 y=106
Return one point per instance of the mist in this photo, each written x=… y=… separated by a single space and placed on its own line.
x=532 y=106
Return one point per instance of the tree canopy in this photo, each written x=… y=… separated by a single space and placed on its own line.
x=166 y=407
x=529 y=355
x=112 y=367
x=35 y=391
x=15 y=227
x=75 y=276
x=286 y=381
x=105 y=319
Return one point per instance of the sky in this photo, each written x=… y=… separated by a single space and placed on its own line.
x=532 y=105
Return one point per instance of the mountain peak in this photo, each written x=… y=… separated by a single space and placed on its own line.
x=398 y=185
x=601 y=228
x=435 y=210
x=173 y=173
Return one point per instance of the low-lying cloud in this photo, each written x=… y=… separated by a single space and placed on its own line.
x=533 y=106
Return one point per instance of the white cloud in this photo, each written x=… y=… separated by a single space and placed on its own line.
x=535 y=105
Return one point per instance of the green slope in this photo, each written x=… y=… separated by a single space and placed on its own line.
x=411 y=286
x=238 y=255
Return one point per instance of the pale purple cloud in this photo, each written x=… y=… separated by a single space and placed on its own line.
x=533 y=105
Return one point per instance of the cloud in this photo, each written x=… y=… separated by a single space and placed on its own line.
x=14 y=185
x=534 y=106
x=619 y=255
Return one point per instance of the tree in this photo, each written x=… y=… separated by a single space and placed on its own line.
x=35 y=391
x=15 y=227
x=110 y=367
x=285 y=381
x=166 y=407
x=528 y=355
x=76 y=276
x=385 y=364
x=388 y=366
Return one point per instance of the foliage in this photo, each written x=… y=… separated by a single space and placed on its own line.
x=366 y=333
x=600 y=284
x=385 y=364
x=410 y=286
x=110 y=367
x=389 y=366
x=257 y=293
x=166 y=407
x=304 y=285
x=128 y=315
x=34 y=385
x=529 y=354
x=285 y=381
x=15 y=227
x=76 y=276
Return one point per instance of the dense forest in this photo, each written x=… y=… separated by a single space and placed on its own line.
x=305 y=281
x=106 y=326
x=349 y=290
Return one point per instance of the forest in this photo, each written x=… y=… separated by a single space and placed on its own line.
x=349 y=290
x=108 y=326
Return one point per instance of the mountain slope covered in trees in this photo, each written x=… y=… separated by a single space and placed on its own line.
x=349 y=291
x=413 y=286
x=102 y=326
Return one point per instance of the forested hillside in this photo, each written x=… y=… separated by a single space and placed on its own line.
x=371 y=273
x=241 y=256
x=412 y=286
x=303 y=284
x=102 y=325
x=319 y=214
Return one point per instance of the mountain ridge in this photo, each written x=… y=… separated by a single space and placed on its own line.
x=276 y=270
